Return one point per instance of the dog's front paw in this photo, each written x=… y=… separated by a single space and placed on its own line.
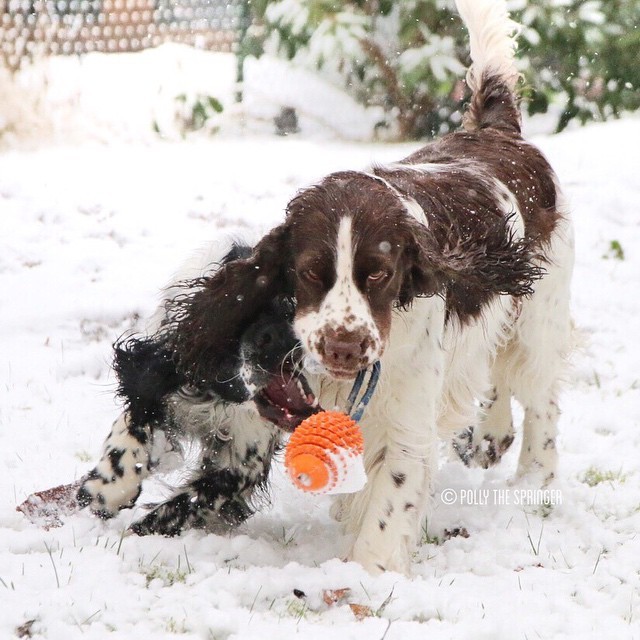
x=105 y=494
x=377 y=559
x=537 y=474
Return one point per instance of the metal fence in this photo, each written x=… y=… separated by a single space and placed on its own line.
x=51 y=27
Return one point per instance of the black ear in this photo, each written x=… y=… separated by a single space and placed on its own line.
x=146 y=375
x=208 y=321
x=470 y=266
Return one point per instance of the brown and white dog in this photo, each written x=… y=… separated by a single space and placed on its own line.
x=452 y=267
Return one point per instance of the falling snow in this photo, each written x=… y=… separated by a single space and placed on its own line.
x=94 y=230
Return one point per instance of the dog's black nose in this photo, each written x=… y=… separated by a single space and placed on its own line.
x=264 y=337
x=267 y=344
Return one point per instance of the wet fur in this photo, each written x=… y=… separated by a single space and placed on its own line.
x=451 y=266
x=162 y=411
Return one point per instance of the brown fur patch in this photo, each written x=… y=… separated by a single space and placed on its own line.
x=466 y=252
x=520 y=166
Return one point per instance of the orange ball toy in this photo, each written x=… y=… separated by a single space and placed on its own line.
x=325 y=454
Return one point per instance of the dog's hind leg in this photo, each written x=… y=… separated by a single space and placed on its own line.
x=217 y=501
x=484 y=445
x=541 y=346
x=223 y=494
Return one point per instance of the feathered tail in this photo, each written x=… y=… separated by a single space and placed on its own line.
x=492 y=76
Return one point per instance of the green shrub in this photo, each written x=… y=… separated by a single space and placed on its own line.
x=409 y=57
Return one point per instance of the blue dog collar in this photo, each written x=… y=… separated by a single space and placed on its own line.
x=355 y=390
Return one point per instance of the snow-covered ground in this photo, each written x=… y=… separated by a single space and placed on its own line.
x=90 y=233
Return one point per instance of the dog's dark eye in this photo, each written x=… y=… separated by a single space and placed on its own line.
x=377 y=277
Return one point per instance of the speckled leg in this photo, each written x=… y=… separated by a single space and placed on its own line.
x=484 y=445
x=116 y=481
x=223 y=492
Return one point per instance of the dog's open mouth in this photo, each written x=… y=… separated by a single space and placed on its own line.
x=286 y=400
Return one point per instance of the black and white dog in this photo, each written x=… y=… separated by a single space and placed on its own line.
x=254 y=375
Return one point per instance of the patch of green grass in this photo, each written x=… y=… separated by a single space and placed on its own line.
x=297 y=608
x=173 y=626
x=288 y=536
x=594 y=476
x=544 y=509
x=615 y=251
x=168 y=576
x=535 y=547
x=197 y=110
x=83 y=456
x=427 y=538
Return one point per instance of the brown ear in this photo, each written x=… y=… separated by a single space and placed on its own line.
x=207 y=323
x=471 y=266
x=420 y=280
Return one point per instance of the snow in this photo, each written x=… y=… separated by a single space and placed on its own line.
x=91 y=231
x=125 y=96
x=271 y=83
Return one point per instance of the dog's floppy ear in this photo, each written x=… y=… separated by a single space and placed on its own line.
x=421 y=279
x=469 y=266
x=208 y=321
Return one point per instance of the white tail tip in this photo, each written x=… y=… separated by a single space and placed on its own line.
x=492 y=36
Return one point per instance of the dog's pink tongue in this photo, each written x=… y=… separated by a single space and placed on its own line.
x=291 y=394
x=46 y=508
